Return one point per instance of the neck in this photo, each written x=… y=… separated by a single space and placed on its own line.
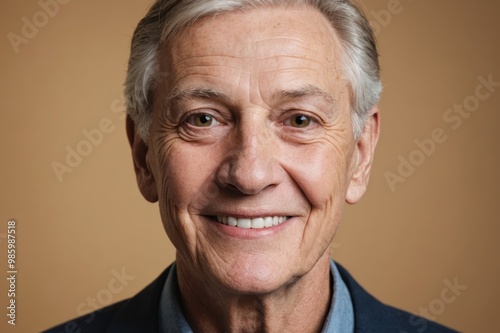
x=299 y=306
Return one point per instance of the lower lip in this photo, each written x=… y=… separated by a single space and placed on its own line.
x=250 y=233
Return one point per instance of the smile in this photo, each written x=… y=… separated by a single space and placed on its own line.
x=254 y=223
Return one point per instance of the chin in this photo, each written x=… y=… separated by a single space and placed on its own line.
x=255 y=276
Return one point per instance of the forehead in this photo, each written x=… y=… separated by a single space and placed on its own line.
x=262 y=44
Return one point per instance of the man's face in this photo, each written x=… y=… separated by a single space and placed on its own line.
x=252 y=127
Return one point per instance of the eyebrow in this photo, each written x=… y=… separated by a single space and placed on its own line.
x=208 y=93
x=307 y=91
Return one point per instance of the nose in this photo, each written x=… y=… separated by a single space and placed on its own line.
x=251 y=163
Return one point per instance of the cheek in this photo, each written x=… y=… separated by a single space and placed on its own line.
x=183 y=184
x=186 y=174
x=321 y=171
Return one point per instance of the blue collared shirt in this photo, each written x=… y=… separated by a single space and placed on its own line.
x=340 y=317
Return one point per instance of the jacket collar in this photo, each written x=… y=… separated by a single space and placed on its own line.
x=140 y=313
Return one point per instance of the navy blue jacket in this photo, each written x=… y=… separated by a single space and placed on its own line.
x=139 y=314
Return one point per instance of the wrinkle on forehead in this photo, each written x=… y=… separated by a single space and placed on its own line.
x=299 y=30
x=292 y=48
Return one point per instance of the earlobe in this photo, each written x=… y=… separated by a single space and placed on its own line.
x=144 y=175
x=363 y=157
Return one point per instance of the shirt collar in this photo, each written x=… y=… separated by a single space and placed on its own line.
x=172 y=319
x=340 y=317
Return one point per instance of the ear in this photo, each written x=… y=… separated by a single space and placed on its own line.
x=363 y=157
x=145 y=178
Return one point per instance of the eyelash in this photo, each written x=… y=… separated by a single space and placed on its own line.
x=186 y=119
x=313 y=121
x=289 y=117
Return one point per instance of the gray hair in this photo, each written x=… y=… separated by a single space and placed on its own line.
x=168 y=17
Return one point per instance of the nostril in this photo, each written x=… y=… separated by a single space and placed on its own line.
x=249 y=169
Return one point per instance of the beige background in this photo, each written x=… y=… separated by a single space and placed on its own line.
x=442 y=223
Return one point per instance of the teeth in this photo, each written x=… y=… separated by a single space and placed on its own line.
x=276 y=220
x=231 y=221
x=256 y=223
x=244 y=223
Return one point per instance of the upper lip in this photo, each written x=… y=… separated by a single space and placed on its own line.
x=249 y=210
x=247 y=214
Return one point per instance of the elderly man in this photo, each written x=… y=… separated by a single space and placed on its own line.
x=252 y=123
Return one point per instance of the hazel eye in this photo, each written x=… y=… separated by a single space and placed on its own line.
x=299 y=121
x=202 y=120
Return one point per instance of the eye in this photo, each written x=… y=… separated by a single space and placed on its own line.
x=298 y=121
x=202 y=120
